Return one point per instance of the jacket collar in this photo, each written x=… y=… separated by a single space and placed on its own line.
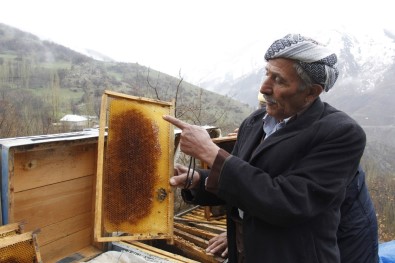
x=293 y=127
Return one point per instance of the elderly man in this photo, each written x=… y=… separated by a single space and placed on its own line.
x=287 y=176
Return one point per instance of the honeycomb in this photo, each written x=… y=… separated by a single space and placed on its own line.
x=136 y=168
x=19 y=249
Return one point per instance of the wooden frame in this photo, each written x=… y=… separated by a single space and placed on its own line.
x=119 y=108
x=17 y=247
x=10 y=230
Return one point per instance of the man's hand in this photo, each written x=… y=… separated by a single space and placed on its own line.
x=218 y=245
x=180 y=175
x=195 y=141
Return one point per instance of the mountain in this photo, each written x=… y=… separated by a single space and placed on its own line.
x=364 y=89
x=41 y=81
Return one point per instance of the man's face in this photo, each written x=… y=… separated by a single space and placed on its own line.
x=281 y=89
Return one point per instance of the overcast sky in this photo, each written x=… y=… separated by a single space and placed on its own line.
x=186 y=35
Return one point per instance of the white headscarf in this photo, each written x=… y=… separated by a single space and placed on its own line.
x=317 y=60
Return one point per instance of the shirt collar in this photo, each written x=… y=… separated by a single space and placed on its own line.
x=268 y=118
x=270 y=124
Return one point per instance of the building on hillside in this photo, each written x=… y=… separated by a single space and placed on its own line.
x=72 y=122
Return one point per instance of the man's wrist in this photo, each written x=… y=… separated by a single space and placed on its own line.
x=212 y=155
x=212 y=180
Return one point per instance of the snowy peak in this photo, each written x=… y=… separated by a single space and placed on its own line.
x=366 y=57
x=363 y=59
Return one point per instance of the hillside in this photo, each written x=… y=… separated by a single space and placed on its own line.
x=41 y=81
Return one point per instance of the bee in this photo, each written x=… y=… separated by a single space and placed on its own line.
x=161 y=194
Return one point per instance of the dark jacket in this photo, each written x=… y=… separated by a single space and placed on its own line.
x=290 y=186
x=357 y=234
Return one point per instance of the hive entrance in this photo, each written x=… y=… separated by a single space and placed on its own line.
x=135 y=161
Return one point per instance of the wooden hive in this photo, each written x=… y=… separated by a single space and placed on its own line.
x=48 y=183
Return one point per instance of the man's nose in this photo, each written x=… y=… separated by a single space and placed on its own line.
x=266 y=87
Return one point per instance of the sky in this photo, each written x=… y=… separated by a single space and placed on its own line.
x=185 y=36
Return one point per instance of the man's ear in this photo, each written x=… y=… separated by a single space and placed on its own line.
x=314 y=91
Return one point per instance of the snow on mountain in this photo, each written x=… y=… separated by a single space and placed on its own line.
x=96 y=55
x=234 y=65
x=363 y=58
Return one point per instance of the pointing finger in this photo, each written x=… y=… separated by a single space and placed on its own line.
x=176 y=122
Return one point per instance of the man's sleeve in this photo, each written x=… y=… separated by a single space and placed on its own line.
x=213 y=179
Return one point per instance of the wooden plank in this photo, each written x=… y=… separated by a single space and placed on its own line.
x=59 y=249
x=140 y=99
x=98 y=227
x=158 y=252
x=203 y=243
x=11 y=196
x=181 y=214
x=170 y=154
x=10 y=240
x=64 y=228
x=89 y=253
x=47 y=205
x=224 y=139
x=212 y=228
x=10 y=229
x=199 y=212
x=34 y=169
x=191 y=220
x=195 y=217
x=195 y=231
x=194 y=251
x=131 y=237
x=83 y=255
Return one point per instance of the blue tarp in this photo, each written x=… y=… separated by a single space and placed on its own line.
x=387 y=252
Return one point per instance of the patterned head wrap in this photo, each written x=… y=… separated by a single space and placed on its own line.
x=317 y=60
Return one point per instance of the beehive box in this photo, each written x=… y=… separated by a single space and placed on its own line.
x=48 y=183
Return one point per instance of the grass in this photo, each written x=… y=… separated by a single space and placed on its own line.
x=56 y=65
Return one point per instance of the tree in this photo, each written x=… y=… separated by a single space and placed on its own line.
x=55 y=90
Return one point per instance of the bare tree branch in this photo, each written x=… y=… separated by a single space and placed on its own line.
x=177 y=93
x=152 y=87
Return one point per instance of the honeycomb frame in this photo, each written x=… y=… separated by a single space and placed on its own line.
x=134 y=200
x=22 y=248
